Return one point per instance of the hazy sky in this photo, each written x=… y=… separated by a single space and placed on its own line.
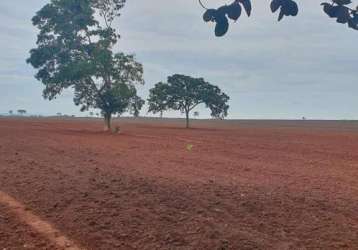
x=303 y=66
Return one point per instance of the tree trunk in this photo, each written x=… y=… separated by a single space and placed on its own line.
x=187 y=118
x=107 y=122
x=161 y=114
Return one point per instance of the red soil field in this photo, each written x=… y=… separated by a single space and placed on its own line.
x=242 y=184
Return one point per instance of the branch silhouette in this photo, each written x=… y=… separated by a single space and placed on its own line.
x=337 y=9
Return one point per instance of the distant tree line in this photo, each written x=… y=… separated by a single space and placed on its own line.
x=19 y=112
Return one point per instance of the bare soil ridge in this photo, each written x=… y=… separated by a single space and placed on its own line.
x=243 y=185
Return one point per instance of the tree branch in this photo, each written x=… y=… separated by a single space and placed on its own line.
x=190 y=109
x=202 y=5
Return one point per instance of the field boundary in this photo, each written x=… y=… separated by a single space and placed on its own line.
x=42 y=227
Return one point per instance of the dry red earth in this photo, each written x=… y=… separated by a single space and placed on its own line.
x=243 y=185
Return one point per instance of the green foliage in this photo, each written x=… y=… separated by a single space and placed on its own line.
x=75 y=50
x=136 y=105
x=184 y=93
x=337 y=9
x=118 y=95
x=158 y=98
x=286 y=7
x=21 y=111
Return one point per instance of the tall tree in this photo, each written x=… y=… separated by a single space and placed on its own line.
x=184 y=93
x=337 y=9
x=75 y=50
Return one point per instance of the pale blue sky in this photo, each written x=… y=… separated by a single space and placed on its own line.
x=303 y=66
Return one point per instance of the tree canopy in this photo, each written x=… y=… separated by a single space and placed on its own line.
x=75 y=50
x=337 y=9
x=136 y=105
x=158 y=98
x=184 y=93
x=21 y=111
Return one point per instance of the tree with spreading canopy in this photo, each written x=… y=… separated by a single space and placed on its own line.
x=75 y=50
x=337 y=9
x=184 y=93
x=21 y=111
